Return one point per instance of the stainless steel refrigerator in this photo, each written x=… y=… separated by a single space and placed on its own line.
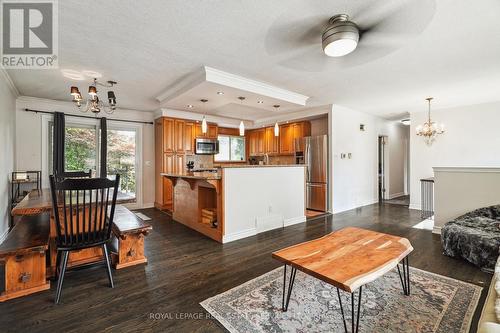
x=313 y=151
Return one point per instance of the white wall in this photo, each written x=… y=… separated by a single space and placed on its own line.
x=472 y=138
x=355 y=180
x=461 y=190
x=28 y=154
x=258 y=199
x=7 y=145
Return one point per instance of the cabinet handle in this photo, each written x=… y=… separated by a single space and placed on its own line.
x=24 y=277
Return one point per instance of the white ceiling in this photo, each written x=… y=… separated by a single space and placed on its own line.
x=448 y=49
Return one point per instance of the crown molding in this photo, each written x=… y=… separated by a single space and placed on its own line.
x=10 y=83
x=257 y=87
x=212 y=75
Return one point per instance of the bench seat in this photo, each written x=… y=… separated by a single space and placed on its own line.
x=22 y=257
x=129 y=231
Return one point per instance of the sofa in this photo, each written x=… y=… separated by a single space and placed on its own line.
x=474 y=237
x=489 y=321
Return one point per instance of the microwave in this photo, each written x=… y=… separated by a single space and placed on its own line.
x=205 y=146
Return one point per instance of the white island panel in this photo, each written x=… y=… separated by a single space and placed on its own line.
x=258 y=199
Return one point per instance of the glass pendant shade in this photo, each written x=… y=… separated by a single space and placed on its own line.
x=242 y=128
x=204 y=126
x=276 y=129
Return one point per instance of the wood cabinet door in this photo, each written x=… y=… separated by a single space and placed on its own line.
x=179 y=136
x=272 y=142
x=168 y=162
x=179 y=163
x=168 y=135
x=189 y=135
x=212 y=131
x=286 y=139
x=252 y=143
x=261 y=141
x=158 y=160
x=198 y=132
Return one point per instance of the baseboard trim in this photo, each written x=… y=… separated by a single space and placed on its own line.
x=4 y=235
x=294 y=220
x=337 y=211
x=415 y=206
x=239 y=235
x=395 y=195
x=436 y=230
x=148 y=205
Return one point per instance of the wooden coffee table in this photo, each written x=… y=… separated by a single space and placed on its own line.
x=347 y=259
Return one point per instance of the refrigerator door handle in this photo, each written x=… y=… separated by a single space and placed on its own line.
x=307 y=159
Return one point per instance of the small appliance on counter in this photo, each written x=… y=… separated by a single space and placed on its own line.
x=190 y=165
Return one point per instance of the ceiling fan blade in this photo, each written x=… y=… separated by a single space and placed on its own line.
x=283 y=37
x=311 y=59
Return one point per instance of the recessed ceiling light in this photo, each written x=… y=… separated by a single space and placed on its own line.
x=190 y=106
x=220 y=93
x=260 y=102
x=406 y=122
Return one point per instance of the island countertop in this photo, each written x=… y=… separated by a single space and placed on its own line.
x=193 y=175
x=263 y=166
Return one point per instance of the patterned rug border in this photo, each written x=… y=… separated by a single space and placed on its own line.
x=467 y=321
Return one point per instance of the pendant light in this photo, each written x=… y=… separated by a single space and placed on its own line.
x=276 y=126
x=204 y=126
x=242 y=125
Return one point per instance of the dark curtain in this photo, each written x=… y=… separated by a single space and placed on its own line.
x=58 y=144
x=104 y=148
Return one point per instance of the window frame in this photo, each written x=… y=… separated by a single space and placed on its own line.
x=46 y=119
x=244 y=149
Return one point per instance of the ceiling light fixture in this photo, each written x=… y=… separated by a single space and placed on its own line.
x=260 y=102
x=220 y=93
x=340 y=37
x=406 y=122
x=94 y=104
x=242 y=125
x=276 y=126
x=204 y=126
x=430 y=129
x=190 y=106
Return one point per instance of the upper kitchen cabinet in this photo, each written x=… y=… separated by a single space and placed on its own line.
x=272 y=142
x=189 y=135
x=179 y=127
x=168 y=135
x=256 y=142
x=290 y=132
x=212 y=131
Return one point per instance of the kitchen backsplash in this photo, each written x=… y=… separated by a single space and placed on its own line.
x=201 y=161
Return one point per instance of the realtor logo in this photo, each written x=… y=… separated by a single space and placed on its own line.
x=29 y=34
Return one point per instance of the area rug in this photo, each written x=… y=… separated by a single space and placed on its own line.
x=436 y=304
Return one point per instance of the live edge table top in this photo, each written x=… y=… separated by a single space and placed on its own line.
x=347 y=258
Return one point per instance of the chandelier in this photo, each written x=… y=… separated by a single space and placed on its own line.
x=430 y=129
x=94 y=104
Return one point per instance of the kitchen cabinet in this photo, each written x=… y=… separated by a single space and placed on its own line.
x=212 y=131
x=189 y=136
x=286 y=139
x=272 y=142
x=256 y=142
x=174 y=139
x=179 y=135
x=168 y=135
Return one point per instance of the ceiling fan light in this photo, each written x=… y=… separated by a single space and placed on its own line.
x=340 y=37
x=242 y=128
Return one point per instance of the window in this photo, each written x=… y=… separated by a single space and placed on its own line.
x=122 y=157
x=80 y=148
x=231 y=149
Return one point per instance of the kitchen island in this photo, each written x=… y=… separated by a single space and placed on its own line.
x=245 y=199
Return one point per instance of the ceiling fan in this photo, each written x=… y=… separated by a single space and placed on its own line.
x=353 y=34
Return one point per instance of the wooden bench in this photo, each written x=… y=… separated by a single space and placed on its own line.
x=129 y=231
x=22 y=257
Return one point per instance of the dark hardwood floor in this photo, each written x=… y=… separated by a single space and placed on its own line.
x=185 y=268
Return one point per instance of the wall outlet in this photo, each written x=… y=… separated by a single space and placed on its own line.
x=147 y=163
x=349 y=155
